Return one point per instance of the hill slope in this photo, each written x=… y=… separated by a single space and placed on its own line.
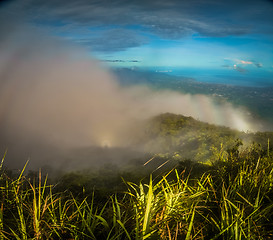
x=187 y=138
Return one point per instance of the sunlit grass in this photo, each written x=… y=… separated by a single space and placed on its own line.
x=233 y=200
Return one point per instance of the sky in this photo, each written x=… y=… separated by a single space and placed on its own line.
x=203 y=34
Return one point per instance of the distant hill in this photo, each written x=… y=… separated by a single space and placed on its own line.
x=186 y=138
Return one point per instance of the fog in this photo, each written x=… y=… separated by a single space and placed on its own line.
x=55 y=97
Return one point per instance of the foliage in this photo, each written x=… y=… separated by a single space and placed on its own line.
x=230 y=199
x=187 y=138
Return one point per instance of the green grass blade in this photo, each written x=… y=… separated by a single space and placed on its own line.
x=148 y=209
x=188 y=236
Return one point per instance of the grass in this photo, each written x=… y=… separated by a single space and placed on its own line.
x=232 y=200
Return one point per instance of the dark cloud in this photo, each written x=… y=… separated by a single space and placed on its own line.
x=258 y=65
x=120 y=61
x=240 y=69
x=114 y=61
x=172 y=19
x=113 y=40
x=235 y=67
x=226 y=66
x=4 y=2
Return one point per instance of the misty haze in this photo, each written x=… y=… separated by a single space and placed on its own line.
x=54 y=96
x=136 y=119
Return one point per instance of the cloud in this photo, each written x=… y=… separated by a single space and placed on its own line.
x=239 y=69
x=119 y=61
x=253 y=63
x=258 y=65
x=226 y=66
x=245 y=62
x=114 y=61
x=236 y=64
x=113 y=40
x=170 y=20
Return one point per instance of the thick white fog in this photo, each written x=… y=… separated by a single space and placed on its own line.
x=54 y=93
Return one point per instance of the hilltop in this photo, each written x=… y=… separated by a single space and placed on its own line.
x=187 y=138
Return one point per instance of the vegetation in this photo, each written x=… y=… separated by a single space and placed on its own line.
x=193 y=188
x=186 y=138
x=230 y=199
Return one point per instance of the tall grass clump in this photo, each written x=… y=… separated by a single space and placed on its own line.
x=243 y=194
x=167 y=209
x=232 y=199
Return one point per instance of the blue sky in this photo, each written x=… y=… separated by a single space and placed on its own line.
x=208 y=34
